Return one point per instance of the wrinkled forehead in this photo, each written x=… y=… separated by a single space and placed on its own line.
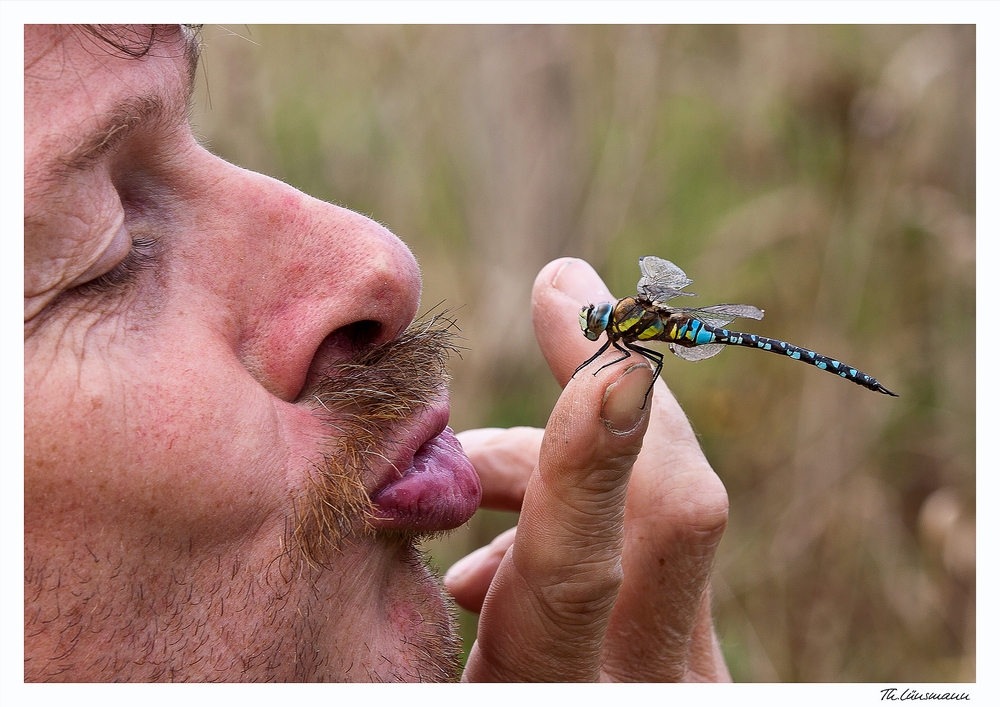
x=45 y=44
x=75 y=78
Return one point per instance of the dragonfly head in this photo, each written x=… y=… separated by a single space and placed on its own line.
x=594 y=319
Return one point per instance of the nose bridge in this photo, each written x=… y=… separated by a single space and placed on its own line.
x=299 y=269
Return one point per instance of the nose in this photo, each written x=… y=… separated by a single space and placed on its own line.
x=307 y=282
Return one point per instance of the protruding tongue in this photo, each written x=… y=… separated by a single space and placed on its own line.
x=439 y=492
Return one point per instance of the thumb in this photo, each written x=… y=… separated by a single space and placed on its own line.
x=548 y=608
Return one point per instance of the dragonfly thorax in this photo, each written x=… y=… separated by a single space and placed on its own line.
x=594 y=319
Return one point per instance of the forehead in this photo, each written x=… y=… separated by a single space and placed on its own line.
x=74 y=81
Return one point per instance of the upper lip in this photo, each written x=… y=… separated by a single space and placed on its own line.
x=404 y=442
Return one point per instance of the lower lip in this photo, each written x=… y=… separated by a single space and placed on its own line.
x=440 y=491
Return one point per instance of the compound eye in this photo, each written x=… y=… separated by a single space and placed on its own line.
x=599 y=316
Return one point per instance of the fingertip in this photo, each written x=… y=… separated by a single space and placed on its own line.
x=561 y=289
x=574 y=278
x=597 y=423
x=550 y=272
x=472 y=438
x=458 y=573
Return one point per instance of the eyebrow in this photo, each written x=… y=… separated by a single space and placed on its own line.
x=127 y=117
x=113 y=129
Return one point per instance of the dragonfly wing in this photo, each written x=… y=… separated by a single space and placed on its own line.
x=719 y=315
x=747 y=311
x=661 y=280
x=659 y=295
x=697 y=353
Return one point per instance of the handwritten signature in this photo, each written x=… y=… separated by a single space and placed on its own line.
x=893 y=693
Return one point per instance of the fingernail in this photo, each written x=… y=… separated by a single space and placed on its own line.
x=580 y=281
x=623 y=400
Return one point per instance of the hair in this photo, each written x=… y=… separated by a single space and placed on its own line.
x=135 y=41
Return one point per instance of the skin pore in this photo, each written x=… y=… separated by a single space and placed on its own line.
x=235 y=432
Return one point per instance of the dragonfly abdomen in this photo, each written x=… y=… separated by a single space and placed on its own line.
x=688 y=331
x=705 y=334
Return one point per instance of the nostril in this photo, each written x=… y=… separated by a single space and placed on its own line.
x=350 y=338
x=340 y=346
x=361 y=335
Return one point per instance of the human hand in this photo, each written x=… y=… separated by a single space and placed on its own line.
x=607 y=576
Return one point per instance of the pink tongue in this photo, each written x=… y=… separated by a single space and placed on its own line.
x=439 y=492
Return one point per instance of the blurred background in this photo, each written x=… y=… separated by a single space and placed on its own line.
x=823 y=173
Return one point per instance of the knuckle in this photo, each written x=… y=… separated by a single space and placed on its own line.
x=573 y=587
x=579 y=601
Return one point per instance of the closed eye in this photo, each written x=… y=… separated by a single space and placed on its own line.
x=141 y=256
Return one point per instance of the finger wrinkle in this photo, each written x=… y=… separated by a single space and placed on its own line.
x=573 y=606
x=563 y=553
x=565 y=549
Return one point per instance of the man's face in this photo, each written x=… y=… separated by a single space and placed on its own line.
x=212 y=396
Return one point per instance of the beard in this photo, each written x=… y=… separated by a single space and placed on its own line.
x=314 y=596
x=363 y=401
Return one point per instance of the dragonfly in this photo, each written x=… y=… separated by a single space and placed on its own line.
x=693 y=333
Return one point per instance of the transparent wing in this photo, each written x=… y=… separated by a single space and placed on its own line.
x=697 y=353
x=661 y=280
x=719 y=315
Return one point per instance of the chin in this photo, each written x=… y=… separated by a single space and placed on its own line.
x=409 y=621
x=420 y=612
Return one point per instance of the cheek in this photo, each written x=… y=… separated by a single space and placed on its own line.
x=208 y=446
x=154 y=442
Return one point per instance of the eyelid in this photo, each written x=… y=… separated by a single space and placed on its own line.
x=116 y=251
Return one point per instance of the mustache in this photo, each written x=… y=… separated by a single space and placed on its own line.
x=362 y=400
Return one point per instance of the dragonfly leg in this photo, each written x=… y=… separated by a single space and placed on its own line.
x=654 y=356
x=620 y=358
x=592 y=358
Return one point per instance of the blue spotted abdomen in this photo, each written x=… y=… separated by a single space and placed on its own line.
x=701 y=333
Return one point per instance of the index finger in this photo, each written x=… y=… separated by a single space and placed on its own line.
x=504 y=460
x=548 y=608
